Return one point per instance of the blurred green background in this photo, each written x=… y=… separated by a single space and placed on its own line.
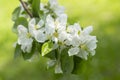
x=104 y=15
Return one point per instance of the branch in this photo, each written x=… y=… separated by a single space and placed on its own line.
x=26 y=9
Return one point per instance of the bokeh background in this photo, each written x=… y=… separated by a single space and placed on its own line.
x=104 y=15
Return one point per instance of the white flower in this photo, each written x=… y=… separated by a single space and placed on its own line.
x=24 y=39
x=37 y=31
x=49 y=26
x=83 y=44
x=55 y=29
x=87 y=30
x=53 y=3
x=74 y=29
x=59 y=10
x=56 y=8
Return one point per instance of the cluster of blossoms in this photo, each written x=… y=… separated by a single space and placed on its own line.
x=52 y=28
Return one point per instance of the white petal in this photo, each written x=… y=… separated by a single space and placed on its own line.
x=40 y=23
x=62 y=36
x=92 y=52
x=73 y=51
x=26 y=47
x=32 y=21
x=22 y=34
x=53 y=3
x=83 y=54
x=59 y=10
x=40 y=36
x=49 y=26
x=68 y=41
x=75 y=40
x=50 y=20
x=91 y=44
x=62 y=19
x=22 y=30
x=88 y=30
x=77 y=27
x=55 y=39
x=74 y=29
x=29 y=46
x=32 y=26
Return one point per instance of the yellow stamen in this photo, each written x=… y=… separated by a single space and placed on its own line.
x=56 y=23
x=78 y=32
x=37 y=27
x=28 y=35
x=83 y=46
x=55 y=34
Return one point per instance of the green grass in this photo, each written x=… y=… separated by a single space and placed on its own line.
x=104 y=15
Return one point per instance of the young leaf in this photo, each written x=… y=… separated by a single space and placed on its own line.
x=35 y=8
x=16 y=13
x=67 y=63
x=18 y=51
x=20 y=21
x=47 y=47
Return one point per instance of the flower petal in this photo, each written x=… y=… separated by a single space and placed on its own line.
x=59 y=10
x=40 y=36
x=40 y=23
x=91 y=43
x=22 y=34
x=74 y=29
x=83 y=54
x=53 y=3
x=73 y=51
x=88 y=30
x=49 y=26
x=31 y=26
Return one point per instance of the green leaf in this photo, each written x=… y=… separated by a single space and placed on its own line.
x=18 y=51
x=30 y=1
x=51 y=55
x=77 y=64
x=67 y=63
x=27 y=56
x=16 y=13
x=47 y=48
x=35 y=8
x=20 y=21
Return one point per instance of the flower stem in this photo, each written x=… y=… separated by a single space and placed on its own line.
x=26 y=9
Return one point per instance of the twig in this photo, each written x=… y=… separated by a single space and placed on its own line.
x=26 y=9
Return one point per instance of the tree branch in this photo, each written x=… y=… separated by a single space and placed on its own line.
x=26 y=9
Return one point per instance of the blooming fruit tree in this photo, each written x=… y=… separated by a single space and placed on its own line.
x=43 y=29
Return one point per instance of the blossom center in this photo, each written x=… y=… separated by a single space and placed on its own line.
x=56 y=24
x=37 y=27
x=83 y=46
x=78 y=32
x=28 y=35
x=55 y=34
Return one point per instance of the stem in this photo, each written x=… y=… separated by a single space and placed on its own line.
x=26 y=9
